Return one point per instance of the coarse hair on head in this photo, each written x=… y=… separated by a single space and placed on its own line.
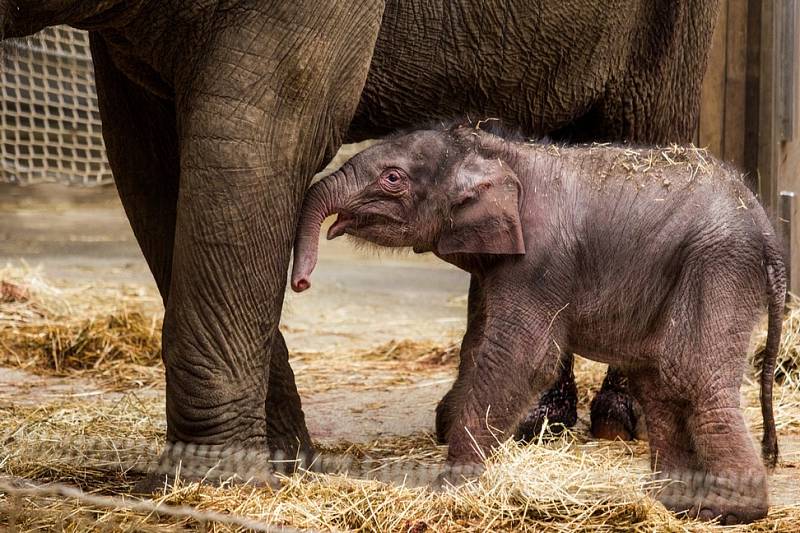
x=495 y=126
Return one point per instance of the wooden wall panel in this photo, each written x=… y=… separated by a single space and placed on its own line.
x=735 y=82
x=712 y=97
x=767 y=132
x=745 y=101
x=788 y=174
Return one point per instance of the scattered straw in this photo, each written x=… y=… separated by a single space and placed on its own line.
x=420 y=353
x=643 y=160
x=557 y=486
x=113 y=334
x=110 y=332
x=563 y=485
x=95 y=444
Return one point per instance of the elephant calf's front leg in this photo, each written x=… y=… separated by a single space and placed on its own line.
x=558 y=405
x=514 y=359
x=448 y=406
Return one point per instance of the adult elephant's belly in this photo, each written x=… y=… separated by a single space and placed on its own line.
x=519 y=63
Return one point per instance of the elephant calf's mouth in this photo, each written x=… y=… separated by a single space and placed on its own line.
x=344 y=220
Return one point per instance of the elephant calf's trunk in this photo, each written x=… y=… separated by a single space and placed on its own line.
x=323 y=199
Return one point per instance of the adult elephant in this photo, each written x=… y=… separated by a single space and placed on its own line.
x=216 y=114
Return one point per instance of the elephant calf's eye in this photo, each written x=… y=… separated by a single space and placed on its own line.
x=393 y=181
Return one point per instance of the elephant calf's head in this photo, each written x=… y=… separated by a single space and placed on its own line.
x=433 y=190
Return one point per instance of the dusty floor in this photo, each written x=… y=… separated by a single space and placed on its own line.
x=357 y=301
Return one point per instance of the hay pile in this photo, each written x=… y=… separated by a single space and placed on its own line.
x=564 y=485
x=110 y=332
x=558 y=486
x=100 y=444
x=87 y=443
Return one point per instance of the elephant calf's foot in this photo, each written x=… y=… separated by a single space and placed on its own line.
x=559 y=406
x=737 y=499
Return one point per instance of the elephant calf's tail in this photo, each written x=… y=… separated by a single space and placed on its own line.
x=776 y=293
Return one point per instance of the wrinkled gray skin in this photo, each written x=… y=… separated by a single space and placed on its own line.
x=217 y=113
x=659 y=263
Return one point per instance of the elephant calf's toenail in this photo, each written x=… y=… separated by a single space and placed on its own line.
x=730 y=519
x=707 y=515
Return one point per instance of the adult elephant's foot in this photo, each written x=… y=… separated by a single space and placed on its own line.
x=208 y=464
x=615 y=414
x=288 y=456
x=558 y=406
x=731 y=499
x=288 y=440
x=444 y=416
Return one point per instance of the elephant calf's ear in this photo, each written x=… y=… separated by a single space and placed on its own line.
x=485 y=218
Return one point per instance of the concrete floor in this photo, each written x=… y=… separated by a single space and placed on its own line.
x=358 y=300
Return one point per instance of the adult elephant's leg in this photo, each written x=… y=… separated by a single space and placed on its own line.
x=614 y=412
x=558 y=405
x=273 y=89
x=446 y=410
x=142 y=147
x=287 y=435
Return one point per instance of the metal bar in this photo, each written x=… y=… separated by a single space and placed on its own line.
x=768 y=128
x=786 y=71
x=785 y=230
x=752 y=72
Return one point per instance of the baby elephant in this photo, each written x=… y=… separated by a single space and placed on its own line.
x=656 y=261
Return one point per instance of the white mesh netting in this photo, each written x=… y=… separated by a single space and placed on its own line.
x=49 y=122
